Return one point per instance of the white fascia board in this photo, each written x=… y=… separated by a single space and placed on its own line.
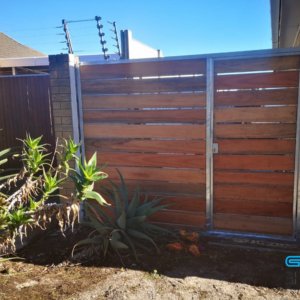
x=275 y=11
x=24 y=62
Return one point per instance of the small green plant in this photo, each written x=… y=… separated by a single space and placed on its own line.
x=85 y=178
x=123 y=227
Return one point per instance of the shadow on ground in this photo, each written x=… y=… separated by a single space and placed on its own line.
x=221 y=261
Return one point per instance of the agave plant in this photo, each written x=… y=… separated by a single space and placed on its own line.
x=125 y=226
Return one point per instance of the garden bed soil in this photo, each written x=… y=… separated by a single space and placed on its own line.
x=223 y=271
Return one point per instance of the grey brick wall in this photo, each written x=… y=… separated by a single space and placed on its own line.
x=60 y=86
x=61 y=95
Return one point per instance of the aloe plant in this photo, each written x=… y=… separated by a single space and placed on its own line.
x=34 y=154
x=88 y=173
x=30 y=196
x=4 y=174
x=126 y=226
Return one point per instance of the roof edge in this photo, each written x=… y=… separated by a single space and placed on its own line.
x=24 y=62
x=275 y=10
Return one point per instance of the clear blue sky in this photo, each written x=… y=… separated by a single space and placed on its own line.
x=176 y=27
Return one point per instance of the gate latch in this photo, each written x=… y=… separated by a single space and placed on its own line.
x=215 y=148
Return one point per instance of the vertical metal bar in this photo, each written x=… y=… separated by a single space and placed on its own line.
x=77 y=120
x=296 y=204
x=74 y=105
x=209 y=141
x=80 y=110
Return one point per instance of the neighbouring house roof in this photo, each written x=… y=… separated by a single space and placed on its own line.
x=10 y=48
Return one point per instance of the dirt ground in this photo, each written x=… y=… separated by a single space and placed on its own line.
x=222 y=271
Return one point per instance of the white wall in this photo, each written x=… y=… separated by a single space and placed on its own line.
x=132 y=48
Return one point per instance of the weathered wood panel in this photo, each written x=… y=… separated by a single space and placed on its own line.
x=257 y=146
x=267 y=80
x=286 y=114
x=145 y=116
x=196 y=219
x=177 y=100
x=145 y=146
x=185 y=203
x=258 y=224
x=279 y=63
x=162 y=187
x=189 y=132
x=151 y=160
x=255 y=131
x=246 y=192
x=260 y=208
x=257 y=97
x=159 y=174
x=255 y=162
x=25 y=107
x=143 y=69
x=121 y=86
x=261 y=178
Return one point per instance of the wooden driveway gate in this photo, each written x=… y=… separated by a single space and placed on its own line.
x=216 y=135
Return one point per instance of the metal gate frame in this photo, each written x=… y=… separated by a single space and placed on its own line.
x=210 y=149
x=210 y=59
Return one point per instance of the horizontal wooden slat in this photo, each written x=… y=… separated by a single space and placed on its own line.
x=255 y=162
x=161 y=188
x=144 y=131
x=157 y=174
x=145 y=116
x=257 y=97
x=258 y=64
x=137 y=69
x=255 y=131
x=272 y=194
x=262 y=178
x=256 y=114
x=182 y=218
x=266 y=80
x=255 y=224
x=99 y=101
x=151 y=160
x=121 y=86
x=256 y=146
x=258 y=208
x=145 y=146
x=185 y=203
x=180 y=203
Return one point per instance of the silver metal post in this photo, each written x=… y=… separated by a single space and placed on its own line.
x=74 y=104
x=80 y=109
x=209 y=142
x=296 y=206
